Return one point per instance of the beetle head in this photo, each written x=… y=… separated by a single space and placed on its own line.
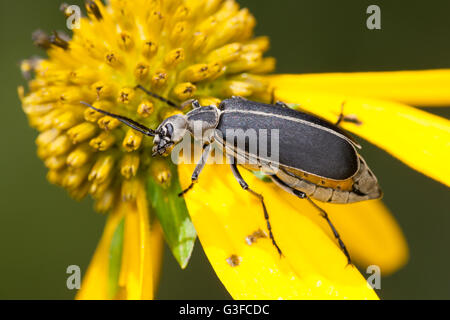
x=169 y=133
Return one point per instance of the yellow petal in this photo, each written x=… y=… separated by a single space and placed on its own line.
x=313 y=267
x=136 y=276
x=371 y=233
x=420 y=88
x=141 y=254
x=95 y=281
x=157 y=246
x=368 y=229
x=419 y=139
x=130 y=275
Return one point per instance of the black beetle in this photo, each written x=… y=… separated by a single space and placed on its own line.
x=317 y=159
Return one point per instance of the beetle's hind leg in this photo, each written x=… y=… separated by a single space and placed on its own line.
x=277 y=103
x=323 y=213
x=245 y=186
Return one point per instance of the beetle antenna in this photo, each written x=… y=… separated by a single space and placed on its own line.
x=131 y=123
x=154 y=95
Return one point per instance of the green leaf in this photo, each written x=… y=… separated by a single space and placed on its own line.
x=293 y=105
x=261 y=176
x=115 y=259
x=173 y=216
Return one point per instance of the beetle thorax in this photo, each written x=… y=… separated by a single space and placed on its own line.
x=202 y=122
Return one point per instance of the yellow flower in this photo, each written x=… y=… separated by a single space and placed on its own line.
x=205 y=49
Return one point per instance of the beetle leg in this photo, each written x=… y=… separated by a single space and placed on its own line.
x=336 y=234
x=198 y=169
x=245 y=186
x=196 y=104
x=154 y=95
x=282 y=104
x=342 y=117
x=272 y=96
x=323 y=213
x=277 y=103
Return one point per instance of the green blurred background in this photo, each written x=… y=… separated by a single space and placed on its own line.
x=42 y=230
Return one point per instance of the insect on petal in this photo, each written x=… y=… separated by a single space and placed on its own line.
x=224 y=215
x=418 y=138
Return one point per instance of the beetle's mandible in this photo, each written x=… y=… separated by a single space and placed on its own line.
x=317 y=159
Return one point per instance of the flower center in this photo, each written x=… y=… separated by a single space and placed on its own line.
x=176 y=49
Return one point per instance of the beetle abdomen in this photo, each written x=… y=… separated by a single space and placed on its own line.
x=304 y=142
x=363 y=186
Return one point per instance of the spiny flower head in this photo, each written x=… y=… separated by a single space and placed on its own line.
x=204 y=49
x=176 y=49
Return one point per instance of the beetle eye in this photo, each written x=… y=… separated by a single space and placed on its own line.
x=169 y=128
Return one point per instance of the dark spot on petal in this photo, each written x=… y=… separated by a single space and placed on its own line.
x=258 y=234
x=233 y=260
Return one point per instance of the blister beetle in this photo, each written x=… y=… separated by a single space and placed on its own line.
x=317 y=159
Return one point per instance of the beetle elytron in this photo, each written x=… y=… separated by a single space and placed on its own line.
x=317 y=159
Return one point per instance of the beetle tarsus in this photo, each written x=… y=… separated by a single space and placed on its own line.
x=245 y=186
x=182 y=193
x=336 y=234
x=198 y=168
x=344 y=118
x=282 y=104
x=323 y=214
x=195 y=104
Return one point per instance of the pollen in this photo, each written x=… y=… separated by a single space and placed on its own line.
x=177 y=49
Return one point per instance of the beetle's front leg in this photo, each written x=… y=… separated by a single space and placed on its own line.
x=245 y=186
x=198 y=168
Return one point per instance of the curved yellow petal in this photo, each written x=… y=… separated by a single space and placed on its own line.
x=157 y=248
x=419 y=88
x=371 y=233
x=136 y=276
x=313 y=267
x=368 y=229
x=141 y=254
x=95 y=282
x=418 y=138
